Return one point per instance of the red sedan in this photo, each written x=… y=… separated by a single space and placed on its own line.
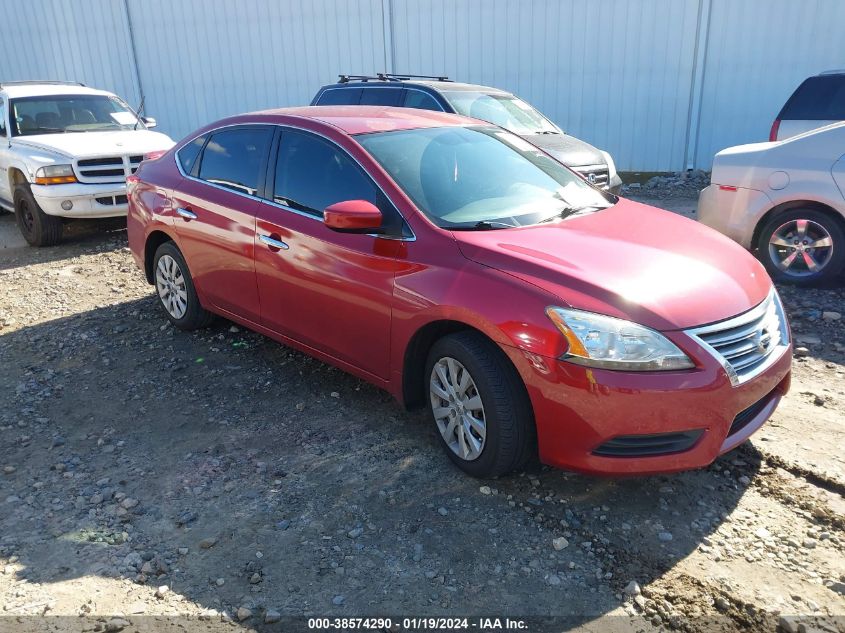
x=463 y=269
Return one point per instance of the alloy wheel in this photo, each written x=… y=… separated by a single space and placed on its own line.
x=458 y=409
x=170 y=283
x=801 y=247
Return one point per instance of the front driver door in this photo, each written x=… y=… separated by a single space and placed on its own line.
x=330 y=291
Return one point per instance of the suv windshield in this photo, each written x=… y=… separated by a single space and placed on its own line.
x=480 y=178
x=70 y=113
x=503 y=110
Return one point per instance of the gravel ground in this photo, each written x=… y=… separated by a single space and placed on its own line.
x=222 y=478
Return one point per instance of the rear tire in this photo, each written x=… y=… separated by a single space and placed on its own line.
x=473 y=387
x=175 y=290
x=37 y=228
x=793 y=242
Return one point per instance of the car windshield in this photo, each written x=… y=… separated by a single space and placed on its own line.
x=59 y=114
x=506 y=111
x=480 y=177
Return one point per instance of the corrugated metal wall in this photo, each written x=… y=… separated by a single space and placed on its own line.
x=661 y=84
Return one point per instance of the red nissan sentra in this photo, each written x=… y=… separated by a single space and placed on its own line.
x=461 y=268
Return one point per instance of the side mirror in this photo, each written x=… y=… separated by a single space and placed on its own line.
x=353 y=216
x=149 y=121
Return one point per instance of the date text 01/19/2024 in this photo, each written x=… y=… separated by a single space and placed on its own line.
x=417 y=624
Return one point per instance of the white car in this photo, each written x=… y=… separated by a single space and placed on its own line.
x=785 y=200
x=65 y=152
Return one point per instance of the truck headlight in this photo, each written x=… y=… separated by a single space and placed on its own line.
x=54 y=175
x=596 y=340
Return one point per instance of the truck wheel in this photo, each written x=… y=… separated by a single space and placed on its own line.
x=37 y=228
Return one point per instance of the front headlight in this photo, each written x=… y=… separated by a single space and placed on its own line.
x=601 y=341
x=54 y=175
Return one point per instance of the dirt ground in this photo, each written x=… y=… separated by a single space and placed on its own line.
x=223 y=480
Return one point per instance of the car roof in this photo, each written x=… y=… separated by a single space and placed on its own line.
x=17 y=90
x=440 y=86
x=838 y=71
x=356 y=119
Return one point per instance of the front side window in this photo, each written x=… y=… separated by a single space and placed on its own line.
x=421 y=100
x=312 y=174
x=62 y=114
x=234 y=158
x=506 y=111
x=480 y=178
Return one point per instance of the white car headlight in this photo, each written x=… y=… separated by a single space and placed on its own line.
x=596 y=340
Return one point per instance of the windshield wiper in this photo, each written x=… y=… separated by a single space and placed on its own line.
x=567 y=212
x=547 y=132
x=484 y=225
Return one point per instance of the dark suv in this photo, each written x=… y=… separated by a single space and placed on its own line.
x=479 y=102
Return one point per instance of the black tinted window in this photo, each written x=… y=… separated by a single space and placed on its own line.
x=817 y=99
x=421 y=100
x=340 y=96
x=312 y=174
x=381 y=96
x=188 y=155
x=2 y=119
x=233 y=158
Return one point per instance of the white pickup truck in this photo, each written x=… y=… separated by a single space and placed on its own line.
x=65 y=152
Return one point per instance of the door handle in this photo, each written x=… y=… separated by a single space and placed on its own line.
x=186 y=213
x=273 y=242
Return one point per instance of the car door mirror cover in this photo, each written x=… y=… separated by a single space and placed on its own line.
x=353 y=216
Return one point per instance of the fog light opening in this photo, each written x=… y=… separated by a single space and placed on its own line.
x=67 y=205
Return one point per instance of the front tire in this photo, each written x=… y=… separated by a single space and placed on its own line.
x=37 y=228
x=479 y=405
x=175 y=289
x=802 y=246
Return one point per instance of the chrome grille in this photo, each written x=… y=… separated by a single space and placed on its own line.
x=594 y=174
x=106 y=169
x=748 y=344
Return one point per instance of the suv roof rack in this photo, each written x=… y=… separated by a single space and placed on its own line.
x=36 y=82
x=342 y=79
x=838 y=71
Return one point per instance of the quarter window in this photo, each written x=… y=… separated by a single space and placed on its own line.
x=188 y=155
x=2 y=119
x=421 y=100
x=233 y=158
x=312 y=174
x=340 y=96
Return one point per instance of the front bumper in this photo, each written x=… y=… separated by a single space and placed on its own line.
x=578 y=410
x=89 y=201
x=734 y=211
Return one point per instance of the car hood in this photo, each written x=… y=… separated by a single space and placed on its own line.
x=94 y=144
x=630 y=261
x=567 y=149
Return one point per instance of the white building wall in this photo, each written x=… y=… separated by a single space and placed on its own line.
x=661 y=84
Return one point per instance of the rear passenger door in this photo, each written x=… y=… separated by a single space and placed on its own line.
x=330 y=291
x=215 y=206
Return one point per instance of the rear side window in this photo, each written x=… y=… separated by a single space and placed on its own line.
x=421 y=100
x=817 y=99
x=312 y=174
x=381 y=96
x=233 y=158
x=187 y=156
x=340 y=96
x=2 y=118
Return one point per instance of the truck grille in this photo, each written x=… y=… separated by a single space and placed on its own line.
x=594 y=174
x=106 y=169
x=748 y=344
